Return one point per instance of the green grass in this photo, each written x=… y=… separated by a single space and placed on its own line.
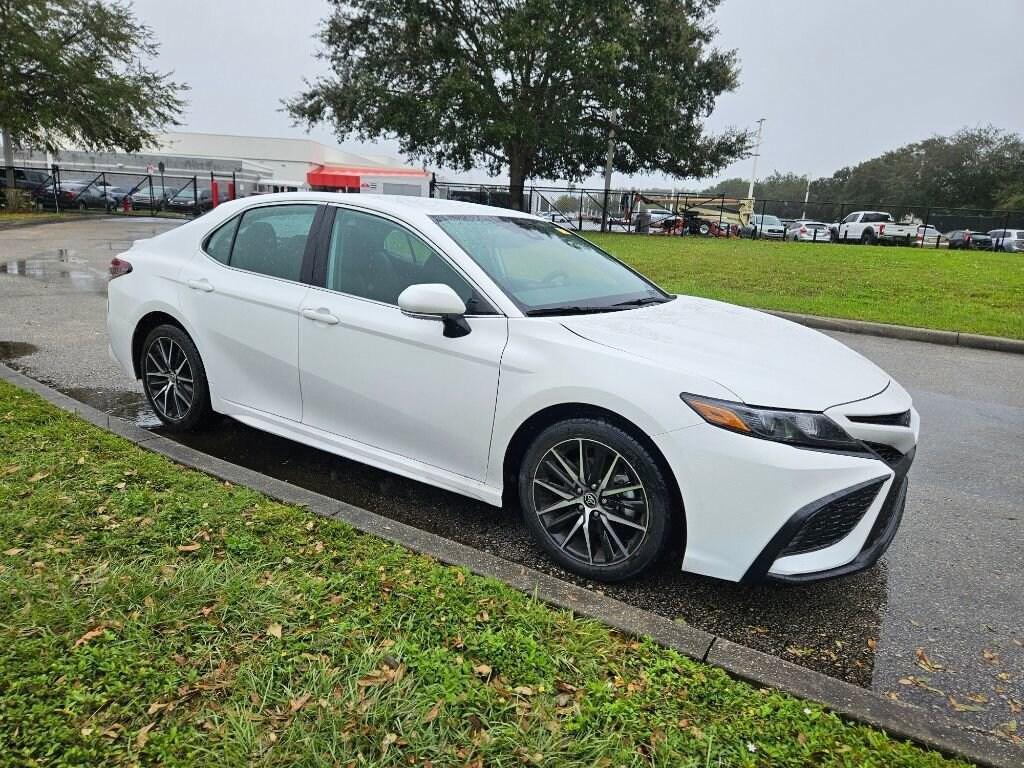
x=153 y=615
x=20 y=218
x=971 y=291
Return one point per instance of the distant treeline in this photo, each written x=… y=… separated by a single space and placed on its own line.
x=974 y=168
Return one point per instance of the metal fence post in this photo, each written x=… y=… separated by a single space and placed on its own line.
x=195 y=194
x=56 y=187
x=924 y=228
x=757 y=229
x=581 y=212
x=721 y=212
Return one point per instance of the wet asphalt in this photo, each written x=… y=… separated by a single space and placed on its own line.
x=939 y=622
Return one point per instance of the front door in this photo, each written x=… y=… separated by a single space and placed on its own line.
x=242 y=293
x=373 y=374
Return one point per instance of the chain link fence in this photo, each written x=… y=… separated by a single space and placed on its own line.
x=87 y=191
x=668 y=212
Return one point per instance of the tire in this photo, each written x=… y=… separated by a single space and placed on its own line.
x=609 y=537
x=180 y=408
x=867 y=237
x=704 y=228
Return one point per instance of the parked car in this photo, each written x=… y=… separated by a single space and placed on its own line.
x=928 y=237
x=378 y=328
x=808 y=231
x=765 y=225
x=115 y=196
x=869 y=227
x=145 y=199
x=28 y=179
x=966 y=239
x=71 y=195
x=559 y=218
x=187 y=201
x=1011 y=240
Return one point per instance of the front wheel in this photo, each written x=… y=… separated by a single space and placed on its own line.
x=174 y=379
x=595 y=499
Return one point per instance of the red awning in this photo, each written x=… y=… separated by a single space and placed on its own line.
x=332 y=177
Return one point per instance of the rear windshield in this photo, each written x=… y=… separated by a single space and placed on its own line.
x=770 y=221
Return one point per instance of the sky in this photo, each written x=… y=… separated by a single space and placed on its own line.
x=837 y=81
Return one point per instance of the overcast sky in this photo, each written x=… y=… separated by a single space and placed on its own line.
x=837 y=81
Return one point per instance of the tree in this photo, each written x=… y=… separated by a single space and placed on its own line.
x=72 y=71
x=534 y=86
x=973 y=168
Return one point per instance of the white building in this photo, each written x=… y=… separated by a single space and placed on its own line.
x=291 y=164
x=256 y=163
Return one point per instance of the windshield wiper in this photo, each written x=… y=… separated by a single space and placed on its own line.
x=641 y=302
x=573 y=310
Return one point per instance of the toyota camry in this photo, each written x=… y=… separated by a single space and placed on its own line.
x=501 y=356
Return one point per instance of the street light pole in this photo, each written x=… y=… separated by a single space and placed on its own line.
x=757 y=151
x=609 y=160
x=807 y=196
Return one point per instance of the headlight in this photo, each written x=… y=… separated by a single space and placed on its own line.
x=803 y=428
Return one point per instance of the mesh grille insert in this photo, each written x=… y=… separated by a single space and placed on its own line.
x=833 y=521
x=886 y=453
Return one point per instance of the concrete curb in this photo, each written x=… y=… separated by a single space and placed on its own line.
x=846 y=700
x=948 y=338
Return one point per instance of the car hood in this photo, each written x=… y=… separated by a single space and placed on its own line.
x=763 y=359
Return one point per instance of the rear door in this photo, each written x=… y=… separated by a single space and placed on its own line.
x=242 y=292
x=373 y=374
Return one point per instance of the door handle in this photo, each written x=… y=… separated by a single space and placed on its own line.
x=200 y=285
x=320 y=316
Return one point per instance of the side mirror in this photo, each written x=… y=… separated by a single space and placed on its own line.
x=436 y=300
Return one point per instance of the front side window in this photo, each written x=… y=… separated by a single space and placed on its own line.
x=851 y=218
x=374 y=258
x=545 y=269
x=271 y=240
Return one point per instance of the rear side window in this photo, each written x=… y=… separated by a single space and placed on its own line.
x=272 y=240
x=218 y=245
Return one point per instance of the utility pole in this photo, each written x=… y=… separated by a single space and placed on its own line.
x=807 y=196
x=609 y=160
x=757 y=151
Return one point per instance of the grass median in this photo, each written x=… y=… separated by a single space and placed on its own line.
x=154 y=615
x=970 y=291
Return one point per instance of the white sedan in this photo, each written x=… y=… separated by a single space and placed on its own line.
x=496 y=355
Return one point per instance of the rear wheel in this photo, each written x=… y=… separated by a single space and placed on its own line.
x=596 y=499
x=867 y=237
x=174 y=379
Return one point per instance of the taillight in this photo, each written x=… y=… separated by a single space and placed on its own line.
x=119 y=267
x=803 y=230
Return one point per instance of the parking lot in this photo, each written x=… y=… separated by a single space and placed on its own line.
x=940 y=621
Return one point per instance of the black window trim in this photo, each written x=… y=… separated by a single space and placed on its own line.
x=318 y=276
x=308 y=255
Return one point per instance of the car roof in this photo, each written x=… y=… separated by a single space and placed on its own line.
x=394 y=204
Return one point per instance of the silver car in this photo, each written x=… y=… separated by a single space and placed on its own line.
x=808 y=231
x=1011 y=240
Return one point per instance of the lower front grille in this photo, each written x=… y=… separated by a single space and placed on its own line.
x=833 y=521
x=886 y=453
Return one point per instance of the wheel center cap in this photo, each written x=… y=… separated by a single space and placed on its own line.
x=590 y=499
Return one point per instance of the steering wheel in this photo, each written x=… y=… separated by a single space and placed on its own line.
x=557 y=274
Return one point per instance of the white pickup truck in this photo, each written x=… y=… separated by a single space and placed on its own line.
x=872 y=227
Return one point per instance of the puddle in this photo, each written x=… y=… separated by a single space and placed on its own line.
x=64 y=266
x=130 y=406
x=10 y=350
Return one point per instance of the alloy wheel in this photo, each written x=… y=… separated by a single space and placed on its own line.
x=169 y=379
x=590 y=502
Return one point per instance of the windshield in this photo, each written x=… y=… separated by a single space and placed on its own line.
x=769 y=220
x=545 y=269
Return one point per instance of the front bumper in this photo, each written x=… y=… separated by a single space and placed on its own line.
x=747 y=500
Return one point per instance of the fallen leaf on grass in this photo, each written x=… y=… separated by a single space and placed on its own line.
x=433 y=712
x=926 y=663
x=92 y=634
x=143 y=735
x=10 y=470
x=189 y=547
x=300 y=702
x=483 y=670
x=274 y=630
x=38 y=476
x=13 y=551
x=523 y=690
